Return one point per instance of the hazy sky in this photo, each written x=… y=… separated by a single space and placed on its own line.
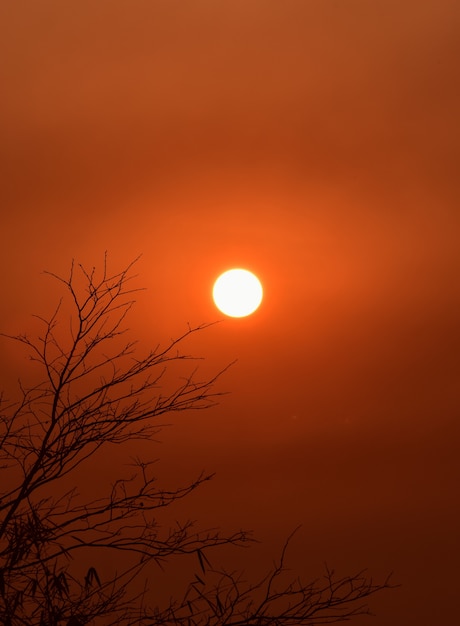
x=315 y=142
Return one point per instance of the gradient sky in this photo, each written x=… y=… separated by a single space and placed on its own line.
x=315 y=142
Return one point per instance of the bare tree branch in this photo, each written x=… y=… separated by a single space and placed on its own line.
x=98 y=389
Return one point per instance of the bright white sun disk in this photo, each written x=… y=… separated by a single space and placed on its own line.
x=237 y=293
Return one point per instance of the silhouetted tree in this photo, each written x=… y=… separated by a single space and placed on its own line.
x=95 y=390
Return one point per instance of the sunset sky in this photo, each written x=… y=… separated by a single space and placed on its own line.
x=315 y=143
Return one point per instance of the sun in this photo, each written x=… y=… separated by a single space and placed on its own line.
x=237 y=293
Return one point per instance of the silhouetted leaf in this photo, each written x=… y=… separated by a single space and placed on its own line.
x=90 y=576
x=200 y=560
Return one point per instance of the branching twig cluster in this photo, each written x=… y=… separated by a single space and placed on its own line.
x=97 y=391
x=219 y=597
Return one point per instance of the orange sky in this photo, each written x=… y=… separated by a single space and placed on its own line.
x=317 y=144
